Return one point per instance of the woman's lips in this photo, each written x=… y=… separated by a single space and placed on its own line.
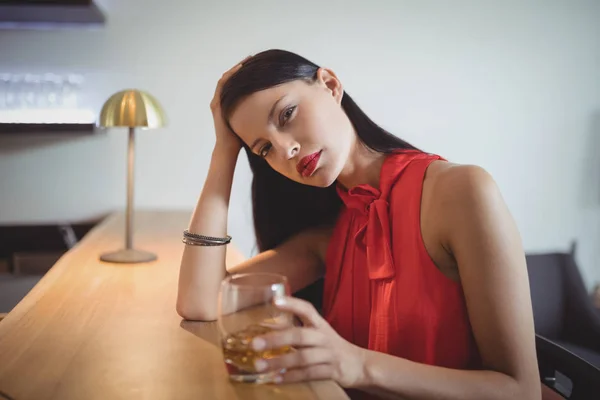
x=308 y=164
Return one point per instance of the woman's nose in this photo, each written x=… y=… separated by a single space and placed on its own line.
x=292 y=151
x=288 y=148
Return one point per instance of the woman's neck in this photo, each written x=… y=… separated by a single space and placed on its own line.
x=362 y=167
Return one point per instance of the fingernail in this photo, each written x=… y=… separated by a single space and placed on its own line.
x=258 y=344
x=280 y=301
x=260 y=365
x=278 y=379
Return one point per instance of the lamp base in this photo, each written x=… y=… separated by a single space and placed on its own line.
x=128 y=256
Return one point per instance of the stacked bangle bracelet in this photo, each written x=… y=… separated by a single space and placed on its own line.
x=194 y=239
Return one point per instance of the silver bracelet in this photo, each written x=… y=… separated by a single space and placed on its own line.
x=193 y=242
x=195 y=239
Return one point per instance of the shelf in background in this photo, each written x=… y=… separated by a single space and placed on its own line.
x=41 y=128
x=50 y=14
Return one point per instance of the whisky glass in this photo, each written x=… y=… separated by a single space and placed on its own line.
x=246 y=310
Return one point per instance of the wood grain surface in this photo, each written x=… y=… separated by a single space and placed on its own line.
x=92 y=330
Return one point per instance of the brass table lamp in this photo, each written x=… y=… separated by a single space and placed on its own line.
x=131 y=109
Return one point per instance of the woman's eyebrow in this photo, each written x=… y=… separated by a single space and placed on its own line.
x=257 y=141
x=273 y=108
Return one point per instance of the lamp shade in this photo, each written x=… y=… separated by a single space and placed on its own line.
x=132 y=108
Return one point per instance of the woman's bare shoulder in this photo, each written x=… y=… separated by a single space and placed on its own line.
x=445 y=179
x=448 y=189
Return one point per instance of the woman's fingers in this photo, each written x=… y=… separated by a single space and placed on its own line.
x=296 y=359
x=294 y=337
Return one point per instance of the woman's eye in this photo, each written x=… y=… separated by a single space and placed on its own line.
x=264 y=151
x=287 y=114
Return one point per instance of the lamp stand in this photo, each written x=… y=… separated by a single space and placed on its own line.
x=129 y=254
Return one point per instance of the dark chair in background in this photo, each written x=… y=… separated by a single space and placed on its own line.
x=565 y=373
x=562 y=309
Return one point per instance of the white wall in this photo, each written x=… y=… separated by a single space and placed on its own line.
x=513 y=86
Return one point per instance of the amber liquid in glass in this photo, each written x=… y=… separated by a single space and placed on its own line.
x=239 y=355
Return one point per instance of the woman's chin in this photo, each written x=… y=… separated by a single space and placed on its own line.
x=321 y=179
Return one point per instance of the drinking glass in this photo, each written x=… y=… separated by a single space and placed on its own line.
x=246 y=310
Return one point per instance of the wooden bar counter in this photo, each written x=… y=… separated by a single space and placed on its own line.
x=92 y=330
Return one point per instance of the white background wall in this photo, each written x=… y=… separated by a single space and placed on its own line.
x=513 y=86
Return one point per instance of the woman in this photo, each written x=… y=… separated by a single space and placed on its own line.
x=425 y=293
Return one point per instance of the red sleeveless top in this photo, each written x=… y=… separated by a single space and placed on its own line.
x=382 y=291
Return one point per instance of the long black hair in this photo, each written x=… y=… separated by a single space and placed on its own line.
x=282 y=207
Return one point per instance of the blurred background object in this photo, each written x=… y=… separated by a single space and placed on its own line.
x=562 y=309
x=131 y=109
x=43 y=98
x=596 y=297
x=49 y=14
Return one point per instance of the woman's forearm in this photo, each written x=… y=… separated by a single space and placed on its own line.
x=203 y=267
x=394 y=377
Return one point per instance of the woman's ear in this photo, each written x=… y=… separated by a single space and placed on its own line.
x=329 y=81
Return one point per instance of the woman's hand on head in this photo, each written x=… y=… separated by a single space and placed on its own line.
x=320 y=353
x=225 y=137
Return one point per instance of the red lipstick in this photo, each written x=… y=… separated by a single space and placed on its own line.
x=307 y=165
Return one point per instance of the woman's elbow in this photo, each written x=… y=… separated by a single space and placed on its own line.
x=529 y=388
x=191 y=312
x=534 y=390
